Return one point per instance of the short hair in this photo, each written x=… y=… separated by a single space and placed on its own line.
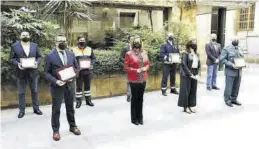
x=79 y=37
x=189 y=45
x=25 y=31
x=60 y=35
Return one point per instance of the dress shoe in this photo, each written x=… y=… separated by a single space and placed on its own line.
x=186 y=111
x=208 y=88
x=78 y=104
x=228 y=103
x=174 y=91
x=38 y=112
x=128 y=98
x=21 y=114
x=89 y=101
x=191 y=110
x=56 y=136
x=75 y=131
x=215 y=88
x=164 y=93
x=141 y=122
x=236 y=103
x=135 y=122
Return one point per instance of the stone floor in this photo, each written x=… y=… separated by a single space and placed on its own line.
x=107 y=125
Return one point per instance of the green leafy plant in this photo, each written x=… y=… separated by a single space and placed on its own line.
x=67 y=11
x=42 y=32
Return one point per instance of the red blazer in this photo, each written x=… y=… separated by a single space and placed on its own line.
x=131 y=65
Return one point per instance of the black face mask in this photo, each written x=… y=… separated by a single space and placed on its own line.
x=213 y=40
x=194 y=46
x=171 y=38
x=62 y=46
x=82 y=44
x=25 y=39
x=235 y=43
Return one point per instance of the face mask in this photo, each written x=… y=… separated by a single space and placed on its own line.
x=137 y=45
x=194 y=46
x=25 y=39
x=235 y=43
x=81 y=44
x=213 y=40
x=171 y=38
x=62 y=46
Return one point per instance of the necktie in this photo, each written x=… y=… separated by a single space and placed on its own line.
x=64 y=57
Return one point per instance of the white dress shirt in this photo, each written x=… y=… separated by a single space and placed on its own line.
x=61 y=56
x=195 y=61
x=26 y=47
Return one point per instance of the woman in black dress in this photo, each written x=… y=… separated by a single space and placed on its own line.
x=190 y=68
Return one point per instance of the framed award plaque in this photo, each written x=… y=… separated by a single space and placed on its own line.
x=240 y=62
x=84 y=63
x=66 y=73
x=28 y=62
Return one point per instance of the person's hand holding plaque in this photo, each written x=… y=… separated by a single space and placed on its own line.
x=60 y=83
x=20 y=66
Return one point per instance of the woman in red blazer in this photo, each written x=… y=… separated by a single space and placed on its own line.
x=136 y=65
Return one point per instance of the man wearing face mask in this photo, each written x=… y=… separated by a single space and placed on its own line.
x=83 y=52
x=213 y=50
x=26 y=49
x=168 y=68
x=57 y=59
x=233 y=73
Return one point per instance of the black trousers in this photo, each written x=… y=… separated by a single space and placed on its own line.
x=83 y=79
x=168 y=69
x=65 y=92
x=232 y=88
x=188 y=92
x=33 y=84
x=137 y=92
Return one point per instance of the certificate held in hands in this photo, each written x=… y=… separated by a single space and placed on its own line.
x=240 y=62
x=28 y=62
x=66 y=73
x=174 y=58
x=85 y=63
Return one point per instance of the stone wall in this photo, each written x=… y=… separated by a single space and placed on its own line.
x=101 y=86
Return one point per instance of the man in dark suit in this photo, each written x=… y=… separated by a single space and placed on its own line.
x=125 y=49
x=26 y=49
x=232 y=72
x=168 y=68
x=56 y=59
x=213 y=50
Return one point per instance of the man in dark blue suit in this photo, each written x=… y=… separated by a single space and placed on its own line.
x=26 y=49
x=168 y=68
x=56 y=59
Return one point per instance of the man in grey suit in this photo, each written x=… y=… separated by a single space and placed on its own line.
x=213 y=50
x=232 y=71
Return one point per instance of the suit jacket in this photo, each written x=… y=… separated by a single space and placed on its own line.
x=212 y=53
x=227 y=57
x=131 y=65
x=167 y=48
x=17 y=52
x=53 y=63
x=186 y=65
